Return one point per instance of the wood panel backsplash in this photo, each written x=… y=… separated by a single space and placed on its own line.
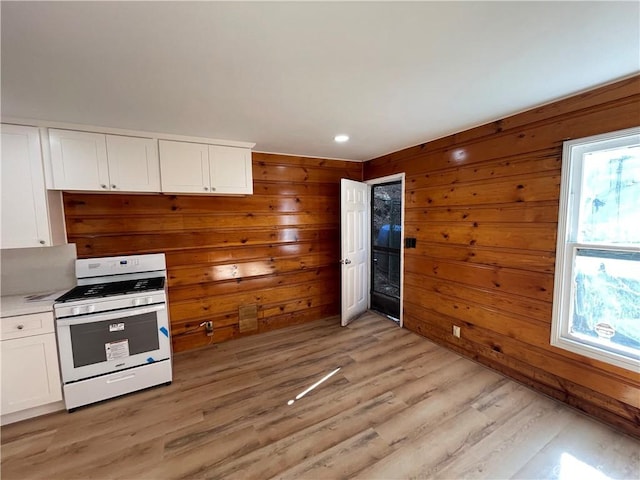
x=277 y=249
x=483 y=205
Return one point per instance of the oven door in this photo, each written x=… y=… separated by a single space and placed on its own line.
x=91 y=345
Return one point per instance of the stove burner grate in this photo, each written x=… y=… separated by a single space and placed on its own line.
x=109 y=289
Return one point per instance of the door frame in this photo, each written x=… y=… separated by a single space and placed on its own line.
x=375 y=181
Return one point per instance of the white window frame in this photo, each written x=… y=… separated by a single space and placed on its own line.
x=567 y=246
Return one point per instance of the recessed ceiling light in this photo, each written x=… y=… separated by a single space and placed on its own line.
x=341 y=138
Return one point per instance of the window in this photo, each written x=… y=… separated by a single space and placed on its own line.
x=596 y=307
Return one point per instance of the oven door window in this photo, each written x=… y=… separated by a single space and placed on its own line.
x=98 y=342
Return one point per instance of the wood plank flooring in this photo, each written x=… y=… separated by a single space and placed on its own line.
x=399 y=407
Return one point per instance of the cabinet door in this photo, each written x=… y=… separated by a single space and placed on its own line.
x=230 y=169
x=25 y=221
x=79 y=160
x=133 y=164
x=30 y=375
x=184 y=167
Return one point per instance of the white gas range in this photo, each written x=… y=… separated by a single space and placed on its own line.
x=113 y=329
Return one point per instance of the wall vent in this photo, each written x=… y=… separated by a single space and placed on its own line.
x=248 y=318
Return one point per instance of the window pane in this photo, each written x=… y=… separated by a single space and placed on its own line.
x=607 y=300
x=386 y=273
x=610 y=197
x=387 y=211
x=386 y=242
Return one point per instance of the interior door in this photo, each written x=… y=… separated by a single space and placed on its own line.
x=354 y=248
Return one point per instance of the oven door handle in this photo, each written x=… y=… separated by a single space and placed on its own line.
x=113 y=315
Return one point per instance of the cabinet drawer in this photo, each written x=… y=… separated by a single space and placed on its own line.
x=27 y=325
x=77 y=394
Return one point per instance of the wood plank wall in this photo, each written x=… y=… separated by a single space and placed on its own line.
x=277 y=249
x=483 y=205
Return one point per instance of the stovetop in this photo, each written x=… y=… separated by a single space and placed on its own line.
x=109 y=289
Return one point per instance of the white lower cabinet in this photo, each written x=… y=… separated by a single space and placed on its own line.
x=30 y=372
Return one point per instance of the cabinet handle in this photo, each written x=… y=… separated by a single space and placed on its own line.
x=113 y=186
x=213 y=189
x=42 y=242
x=20 y=327
x=206 y=189
x=103 y=186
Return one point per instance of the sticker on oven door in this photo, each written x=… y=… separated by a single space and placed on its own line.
x=115 y=350
x=116 y=327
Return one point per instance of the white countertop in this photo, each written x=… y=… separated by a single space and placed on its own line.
x=12 y=305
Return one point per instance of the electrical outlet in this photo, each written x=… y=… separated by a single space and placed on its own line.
x=209 y=328
x=456 y=331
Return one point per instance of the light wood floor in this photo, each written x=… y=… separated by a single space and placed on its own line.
x=399 y=407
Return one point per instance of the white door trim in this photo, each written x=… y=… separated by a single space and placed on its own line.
x=376 y=181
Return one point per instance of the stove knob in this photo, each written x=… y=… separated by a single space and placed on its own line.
x=91 y=308
x=137 y=301
x=149 y=300
x=75 y=311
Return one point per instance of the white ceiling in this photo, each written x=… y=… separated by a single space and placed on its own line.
x=289 y=76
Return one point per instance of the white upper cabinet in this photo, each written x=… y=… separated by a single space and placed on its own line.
x=113 y=160
x=230 y=170
x=184 y=167
x=25 y=203
x=79 y=160
x=99 y=162
x=133 y=164
x=200 y=168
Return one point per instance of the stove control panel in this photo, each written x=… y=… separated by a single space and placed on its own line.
x=83 y=309
x=142 y=301
x=98 y=267
x=107 y=304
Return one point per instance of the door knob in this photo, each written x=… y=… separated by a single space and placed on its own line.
x=345 y=261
